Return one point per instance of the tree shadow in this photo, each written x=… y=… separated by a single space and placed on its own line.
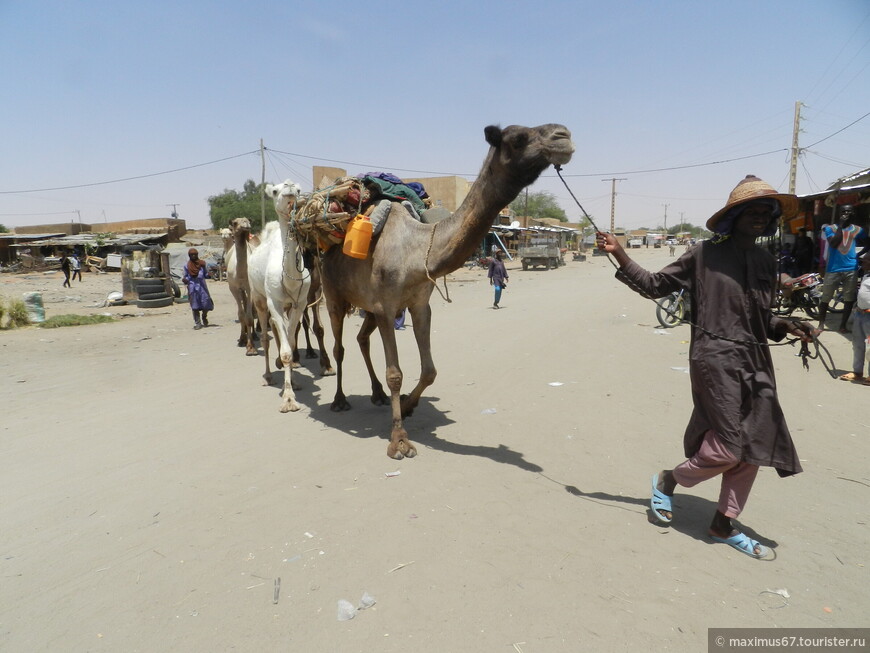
x=692 y=514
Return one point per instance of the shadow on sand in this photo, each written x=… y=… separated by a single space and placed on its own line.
x=692 y=514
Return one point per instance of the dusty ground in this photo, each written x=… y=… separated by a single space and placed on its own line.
x=151 y=493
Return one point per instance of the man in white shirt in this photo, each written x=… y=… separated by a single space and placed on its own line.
x=861 y=329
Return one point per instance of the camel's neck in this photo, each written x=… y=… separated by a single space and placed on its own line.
x=457 y=237
x=240 y=243
x=288 y=243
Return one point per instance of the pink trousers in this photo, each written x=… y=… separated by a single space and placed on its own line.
x=712 y=459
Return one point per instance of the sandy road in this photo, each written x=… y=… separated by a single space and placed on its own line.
x=151 y=493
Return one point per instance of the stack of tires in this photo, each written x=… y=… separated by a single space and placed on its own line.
x=152 y=293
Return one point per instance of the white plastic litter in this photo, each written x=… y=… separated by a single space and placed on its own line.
x=366 y=601
x=555 y=384
x=684 y=370
x=488 y=411
x=346 y=611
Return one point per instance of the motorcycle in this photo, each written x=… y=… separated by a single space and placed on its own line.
x=674 y=309
x=802 y=293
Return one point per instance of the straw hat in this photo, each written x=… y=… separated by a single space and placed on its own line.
x=752 y=188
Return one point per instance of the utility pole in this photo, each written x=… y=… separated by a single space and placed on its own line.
x=681 y=221
x=613 y=181
x=666 y=218
x=795 y=150
x=263 y=184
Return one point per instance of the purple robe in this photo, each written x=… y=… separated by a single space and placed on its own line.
x=197 y=291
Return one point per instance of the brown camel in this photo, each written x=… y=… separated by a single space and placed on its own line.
x=236 y=259
x=408 y=255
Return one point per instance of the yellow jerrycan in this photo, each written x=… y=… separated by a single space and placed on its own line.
x=358 y=237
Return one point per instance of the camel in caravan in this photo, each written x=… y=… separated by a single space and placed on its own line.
x=407 y=257
x=279 y=286
x=313 y=323
x=238 y=246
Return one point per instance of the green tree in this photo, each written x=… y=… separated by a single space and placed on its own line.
x=240 y=204
x=542 y=204
x=3 y=229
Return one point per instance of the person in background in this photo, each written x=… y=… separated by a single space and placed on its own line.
x=197 y=289
x=737 y=424
x=861 y=329
x=76 y=267
x=498 y=275
x=399 y=322
x=65 y=267
x=803 y=253
x=841 y=268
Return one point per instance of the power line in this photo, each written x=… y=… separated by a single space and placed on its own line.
x=116 y=181
x=837 y=132
x=21 y=215
x=421 y=172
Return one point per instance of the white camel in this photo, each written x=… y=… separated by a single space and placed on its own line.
x=279 y=286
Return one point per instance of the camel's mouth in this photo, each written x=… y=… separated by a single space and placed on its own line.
x=561 y=147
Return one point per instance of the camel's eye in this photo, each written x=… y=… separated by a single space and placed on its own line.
x=518 y=141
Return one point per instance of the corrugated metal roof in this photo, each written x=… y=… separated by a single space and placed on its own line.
x=89 y=239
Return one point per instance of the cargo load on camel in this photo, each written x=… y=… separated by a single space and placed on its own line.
x=323 y=218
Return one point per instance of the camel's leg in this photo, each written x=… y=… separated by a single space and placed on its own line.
x=315 y=299
x=263 y=317
x=306 y=328
x=238 y=296
x=317 y=327
x=379 y=397
x=248 y=315
x=422 y=317
x=336 y=320
x=295 y=345
x=400 y=446
x=284 y=323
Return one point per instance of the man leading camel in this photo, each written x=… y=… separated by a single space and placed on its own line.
x=737 y=424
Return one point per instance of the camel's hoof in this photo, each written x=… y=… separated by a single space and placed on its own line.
x=311 y=354
x=327 y=372
x=401 y=449
x=339 y=405
x=243 y=343
x=294 y=365
x=380 y=399
x=290 y=408
x=252 y=352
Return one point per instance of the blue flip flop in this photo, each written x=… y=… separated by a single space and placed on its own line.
x=660 y=501
x=743 y=544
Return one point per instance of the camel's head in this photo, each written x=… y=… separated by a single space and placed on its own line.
x=239 y=226
x=284 y=195
x=525 y=152
x=226 y=234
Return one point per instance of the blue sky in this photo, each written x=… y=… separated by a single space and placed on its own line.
x=99 y=91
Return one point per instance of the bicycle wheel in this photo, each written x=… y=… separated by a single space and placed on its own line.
x=670 y=311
